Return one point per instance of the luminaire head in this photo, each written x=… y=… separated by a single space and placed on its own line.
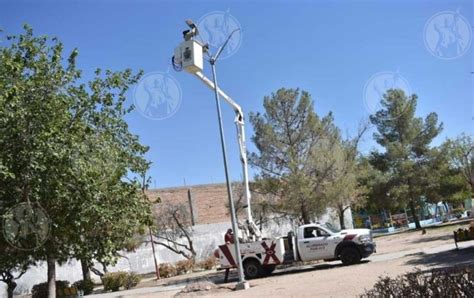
x=189 y=34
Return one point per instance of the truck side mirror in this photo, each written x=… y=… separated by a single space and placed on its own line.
x=322 y=233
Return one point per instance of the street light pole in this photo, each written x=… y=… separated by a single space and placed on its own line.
x=185 y=52
x=242 y=283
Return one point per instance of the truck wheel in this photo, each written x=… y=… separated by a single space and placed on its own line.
x=268 y=269
x=252 y=269
x=350 y=256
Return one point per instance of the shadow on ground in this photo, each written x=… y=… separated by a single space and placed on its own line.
x=426 y=238
x=462 y=256
x=218 y=277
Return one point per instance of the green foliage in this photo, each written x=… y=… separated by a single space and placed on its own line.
x=167 y=270
x=41 y=290
x=13 y=263
x=295 y=153
x=86 y=286
x=66 y=147
x=131 y=280
x=347 y=189
x=112 y=281
x=412 y=166
x=459 y=178
x=451 y=282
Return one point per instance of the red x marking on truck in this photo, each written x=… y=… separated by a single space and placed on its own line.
x=270 y=253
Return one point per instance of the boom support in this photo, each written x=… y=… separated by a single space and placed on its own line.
x=251 y=230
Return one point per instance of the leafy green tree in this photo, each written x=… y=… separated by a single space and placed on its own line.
x=14 y=266
x=294 y=152
x=460 y=154
x=377 y=185
x=408 y=157
x=346 y=190
x=264 y=205
x=66 y=147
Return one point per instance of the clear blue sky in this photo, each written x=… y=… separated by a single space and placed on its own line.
x=329 y=48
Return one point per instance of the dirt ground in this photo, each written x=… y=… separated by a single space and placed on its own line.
x=396 y=254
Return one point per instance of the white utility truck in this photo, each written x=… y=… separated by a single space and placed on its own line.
x=312 y=242
x=261 y=256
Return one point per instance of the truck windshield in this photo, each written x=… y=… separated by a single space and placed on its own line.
x=331 y=228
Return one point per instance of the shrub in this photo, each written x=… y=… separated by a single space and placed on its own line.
x=167 y=270
x=451 y=282
x=41 y=290
x=132 y=280
x=208 y=263
x=112 y=281
x=184 y=266
x=86 y=286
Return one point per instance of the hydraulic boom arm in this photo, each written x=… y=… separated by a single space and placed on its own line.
x=252 y=229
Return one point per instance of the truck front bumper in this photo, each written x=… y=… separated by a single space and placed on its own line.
x=366 y=249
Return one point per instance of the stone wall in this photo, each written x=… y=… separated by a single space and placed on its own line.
x=209 y=200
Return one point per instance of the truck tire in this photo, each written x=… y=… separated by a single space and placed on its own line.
x=350 y=255
x=252 y=269
x=268 y=269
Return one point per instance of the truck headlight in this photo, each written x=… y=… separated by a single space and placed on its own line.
x=364 y=238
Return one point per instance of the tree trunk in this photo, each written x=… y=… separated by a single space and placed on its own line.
x=86 y=274
x=51 y=261
x=341 y=217
x=10 y=288
x=305 y=215
x=415 y=216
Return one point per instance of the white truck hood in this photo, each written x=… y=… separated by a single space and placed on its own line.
x=355 y=232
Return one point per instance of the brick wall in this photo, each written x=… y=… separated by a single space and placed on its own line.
x=209 y=201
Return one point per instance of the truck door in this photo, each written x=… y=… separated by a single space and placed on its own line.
x=315 y=244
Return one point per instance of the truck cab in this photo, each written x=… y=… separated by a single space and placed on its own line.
x=323 y=242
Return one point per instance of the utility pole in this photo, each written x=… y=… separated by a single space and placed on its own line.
x=242 y=283
x=157 y=269
x=144 y=189
x=189 y=55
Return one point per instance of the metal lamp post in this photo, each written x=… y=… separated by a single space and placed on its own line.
x=189 y=56
x=242 y=283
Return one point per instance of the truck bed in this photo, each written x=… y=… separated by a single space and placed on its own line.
x=268 y=252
